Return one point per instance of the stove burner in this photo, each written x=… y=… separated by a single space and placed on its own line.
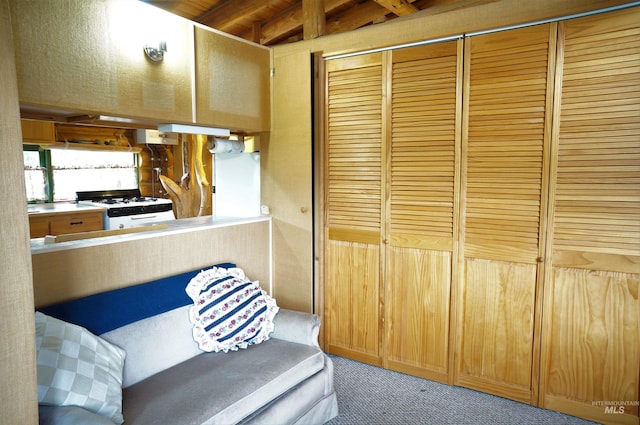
x=116 y=198
x=141 y=199
x=127 y=207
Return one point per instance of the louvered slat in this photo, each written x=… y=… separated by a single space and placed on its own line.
x=423 y=144
x=505 y=142
x=354 y=117
x=597 y=203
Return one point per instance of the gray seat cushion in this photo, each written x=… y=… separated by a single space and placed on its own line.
x=221 y=388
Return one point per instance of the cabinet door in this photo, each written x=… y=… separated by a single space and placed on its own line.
x=232 y=80
x=92 y=59
x=591 y=347
x=286 y=177
x=38 y=226
x=424 y=150
x=504 y=170
x=38 y=132
x=75 y=223
x=353 y=206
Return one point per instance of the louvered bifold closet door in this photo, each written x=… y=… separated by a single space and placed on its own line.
x=353 y=206
x=591 y=343
x=507 y=108
x=425 y=138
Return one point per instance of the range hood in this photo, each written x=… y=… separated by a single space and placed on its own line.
x=193 y=129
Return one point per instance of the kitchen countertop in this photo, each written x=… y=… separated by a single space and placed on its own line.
x=173 y=226
x=59 y=207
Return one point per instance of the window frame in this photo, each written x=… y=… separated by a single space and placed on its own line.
x=46 y=164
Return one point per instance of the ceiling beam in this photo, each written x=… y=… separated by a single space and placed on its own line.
x=229 y=13
x=256 y=32
x=356 y=17
x=313 y=19
x=289 y=22
x=398 y=7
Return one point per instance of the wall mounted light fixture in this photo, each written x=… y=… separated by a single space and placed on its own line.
x=156 y=54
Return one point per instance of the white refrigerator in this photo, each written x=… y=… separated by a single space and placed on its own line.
x=236 y=180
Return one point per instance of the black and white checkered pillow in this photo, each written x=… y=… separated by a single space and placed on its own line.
x=77 y=368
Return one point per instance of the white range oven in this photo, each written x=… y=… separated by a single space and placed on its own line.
x=126 y=208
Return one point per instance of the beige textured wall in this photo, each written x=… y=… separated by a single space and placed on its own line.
x=63 y=275
x=18 y=392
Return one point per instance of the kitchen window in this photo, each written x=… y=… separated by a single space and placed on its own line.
x=57 y=174
x=35 y=175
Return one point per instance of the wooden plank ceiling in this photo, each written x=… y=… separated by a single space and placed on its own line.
x=272 y=22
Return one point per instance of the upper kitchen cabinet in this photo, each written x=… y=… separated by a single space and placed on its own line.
x=38 y=132
x=232 y=82
x=88 y=57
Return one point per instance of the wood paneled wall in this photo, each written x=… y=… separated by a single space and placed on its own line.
x=18 y=390
x=156 y=160
x=444 y=21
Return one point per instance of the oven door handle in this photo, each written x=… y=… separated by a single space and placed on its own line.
x=143 y=218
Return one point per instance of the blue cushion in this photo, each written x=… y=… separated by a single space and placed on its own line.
x=106 y=311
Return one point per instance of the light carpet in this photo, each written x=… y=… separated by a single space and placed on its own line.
x=375 y=396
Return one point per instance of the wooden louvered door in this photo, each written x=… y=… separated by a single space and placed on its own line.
x=591 y=333
x=424 y=150
x=353 y=207
x=508 y=88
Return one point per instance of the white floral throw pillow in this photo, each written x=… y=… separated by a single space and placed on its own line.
x=230 y=311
